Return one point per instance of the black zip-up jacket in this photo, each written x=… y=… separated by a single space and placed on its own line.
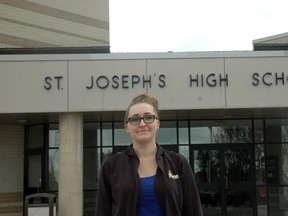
x=119 y=185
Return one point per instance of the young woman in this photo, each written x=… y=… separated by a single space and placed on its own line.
x=145 y=179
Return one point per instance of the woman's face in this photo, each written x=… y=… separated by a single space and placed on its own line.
x=142 y=132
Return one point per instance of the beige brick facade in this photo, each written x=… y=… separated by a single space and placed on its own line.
x=12 y=170
x=47 y=24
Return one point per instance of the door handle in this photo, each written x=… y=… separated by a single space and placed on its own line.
x=40 y=185
x=226 y=182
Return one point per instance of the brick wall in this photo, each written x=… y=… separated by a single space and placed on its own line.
x=11 y=170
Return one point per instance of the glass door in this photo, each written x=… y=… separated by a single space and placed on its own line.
x=238 y=189
x=224 y=175
x=34 y=179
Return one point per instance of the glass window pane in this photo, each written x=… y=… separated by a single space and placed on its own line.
x=284 y=167
x=277 y=164
x=53 y=169
x=207 y=165
x=237 y=164
x=90 y=134
x=167 y=134
x=262 y=201
x=35 y=170
x=91 y=168
x=183 y=132
x=106 y=152
x=283 y=199
x=184 y=150
x=232 y=134
x=200 y=135
x=107 y=138
x=230 y=131
x=53 y=135
x=239 y=202
x=276 y=130
x=258 y=131
x=278 y=199
x=122 y=138
x=89 y=203
x=36 y=136
x=260 y=164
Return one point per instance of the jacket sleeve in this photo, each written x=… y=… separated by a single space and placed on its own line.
x=191 y=200
x=104 y=196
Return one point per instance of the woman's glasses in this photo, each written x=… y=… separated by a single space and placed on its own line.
x=135 y=120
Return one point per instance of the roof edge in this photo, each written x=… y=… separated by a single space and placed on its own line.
x=273 y=37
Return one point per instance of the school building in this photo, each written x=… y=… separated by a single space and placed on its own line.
x=63 y=98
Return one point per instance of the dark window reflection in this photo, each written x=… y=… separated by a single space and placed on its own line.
x=207 y=165
x=238 y=165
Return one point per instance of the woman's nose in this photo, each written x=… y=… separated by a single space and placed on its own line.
x=142 y=122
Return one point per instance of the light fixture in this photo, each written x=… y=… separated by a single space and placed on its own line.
x=22 y=121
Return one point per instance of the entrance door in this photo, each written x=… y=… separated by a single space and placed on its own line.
x=224 y=175
x=34 y=179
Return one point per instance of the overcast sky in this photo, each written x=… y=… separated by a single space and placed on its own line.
x=189 y=25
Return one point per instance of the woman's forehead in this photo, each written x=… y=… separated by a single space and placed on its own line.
x=141 y=108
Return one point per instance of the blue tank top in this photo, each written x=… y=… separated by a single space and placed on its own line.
x=149 y=204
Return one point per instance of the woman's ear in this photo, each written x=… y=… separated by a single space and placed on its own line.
x=126 y=128
x=158 y=123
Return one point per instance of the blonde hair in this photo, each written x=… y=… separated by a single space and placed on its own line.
x=143 y=98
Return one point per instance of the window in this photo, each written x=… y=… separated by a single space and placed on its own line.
x=213 y=132
x=167 y=133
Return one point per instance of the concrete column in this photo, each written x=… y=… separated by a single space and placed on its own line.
x=70 y=164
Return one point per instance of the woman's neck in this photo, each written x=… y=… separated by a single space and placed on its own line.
x=145 y=150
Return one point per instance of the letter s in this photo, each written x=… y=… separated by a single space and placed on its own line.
x=162 y=82
x=48 y=85
x=255 y=77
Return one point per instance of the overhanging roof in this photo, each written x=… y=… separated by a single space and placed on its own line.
x=275 y=42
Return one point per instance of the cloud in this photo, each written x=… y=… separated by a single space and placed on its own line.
x=187 y=25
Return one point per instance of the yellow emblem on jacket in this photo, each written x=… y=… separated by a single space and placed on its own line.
x=172 y=176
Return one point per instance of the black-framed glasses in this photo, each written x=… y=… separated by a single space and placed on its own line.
x=135 y=120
